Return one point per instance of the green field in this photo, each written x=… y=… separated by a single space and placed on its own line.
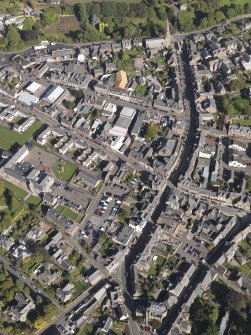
x=10 y=137
x=64 y=170
x=242 y=122
x=13 y=208
x=17 y=191
x=32 y=200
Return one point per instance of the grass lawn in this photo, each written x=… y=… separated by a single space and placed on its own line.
x=32 y=200
x=160 y=260
x=17 y=191
x=10 y=137
x=245 y=269
x=65 y=29
x=67 y=212
x=245 y=248
x=64 y=170
x=118 y=327
x=242 y=122
x=153 y=270
x=14 y=207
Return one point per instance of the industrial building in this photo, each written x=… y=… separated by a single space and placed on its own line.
x=123 y=123
x=53 y=93
x=28 y=98
x=33 y=87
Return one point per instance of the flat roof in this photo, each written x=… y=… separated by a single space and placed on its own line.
x=28 y=98
x=33 y=87
x=128 y=112
x=53 y=94
x=123 y=122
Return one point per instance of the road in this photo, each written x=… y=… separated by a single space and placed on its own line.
x=15 y=272
x=199 y=273
x=190 y=109
x=61 y=317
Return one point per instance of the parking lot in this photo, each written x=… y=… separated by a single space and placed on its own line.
x=192 y=249
x=41 y=160
x=72 y=197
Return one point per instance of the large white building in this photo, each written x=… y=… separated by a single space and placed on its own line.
x=123 y=123
x=28 y=98
x=53 y=94
x=17 y=158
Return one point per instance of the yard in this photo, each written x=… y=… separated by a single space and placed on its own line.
x=35 y=201
x=11 y=206
x=65 y=29
x=10 y=137
x=67 y=212
x=64 y=170
x=17 y=191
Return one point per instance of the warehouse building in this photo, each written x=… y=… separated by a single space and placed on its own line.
x=27 y=98
x=123 y=123
x=53 y=93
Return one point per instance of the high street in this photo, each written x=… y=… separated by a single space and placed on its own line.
x=188 y=148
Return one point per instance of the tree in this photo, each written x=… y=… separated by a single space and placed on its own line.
x=29 y=35
x=161 y=13
x=236 y=301
x=219 y=16
x=151 y=131
x=13 y=38
x=211 y=330
x=108 y=8
x=50 y=15
x=82 y=12
x=28 y=23
x=2 y=187
x=39 y=300
x=95 y=9
x=40 y=323
x=236 y=85
x=129 y=31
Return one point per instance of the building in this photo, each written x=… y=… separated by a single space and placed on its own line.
x=28 y=98
x=125 y=236
x=121 y=80
x=156 y=311
x=90 y=179
x=65 y=293
x=23 y=305
x=17 y=158
x=21 y=128
x=53 y=93
x=123 y=123
x=155 y=43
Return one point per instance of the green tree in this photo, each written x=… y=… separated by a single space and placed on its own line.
x=28 y=23
x=39 y=300
x=129 y=31
x=82 y=13
x=151 y=131
x=50 y=15
x=211 y=330
x=219 y=16
x=237 y=85
x=236 y=301
x=13 y=38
